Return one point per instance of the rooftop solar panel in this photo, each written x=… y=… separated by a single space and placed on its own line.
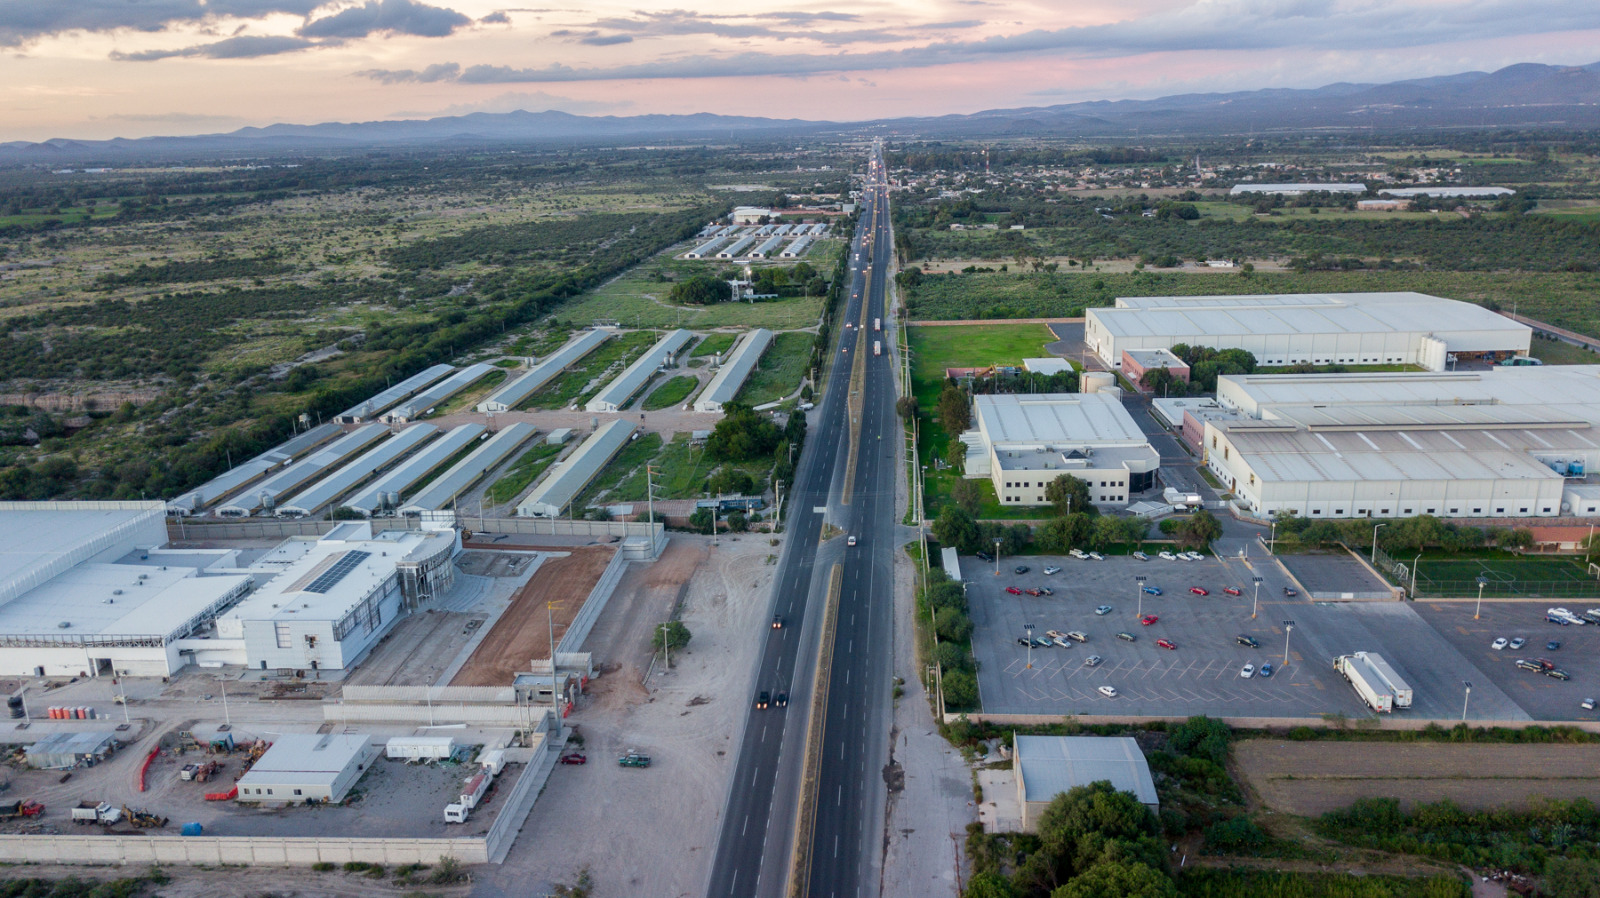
x=341 y=568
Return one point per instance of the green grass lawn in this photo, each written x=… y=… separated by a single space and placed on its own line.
x=474 y=394
x=681 y=469
x=780 y=370
x=624 y=478
x=573 y=384
x=714 y=344
x=1507 y=575
x=524 y=472
x=671 y=393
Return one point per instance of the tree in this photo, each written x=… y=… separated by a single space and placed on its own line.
x=1070 y=495
x=960 y=689
x=674 y=633
x=1107 y=531
x=742 y=434
x=1571 y=877
x=1202 y=737
x=966 y=494
x=986 y=885
x=1199 y=529
x=1156 y=380
x=1119 y=880
x=1095 y=824
x=955 y=527
x=953 y=657
x=952 y=624
x=955 y=457
x=1060 y=534
x=954 y=412
x=906 y=407
x=700 y=290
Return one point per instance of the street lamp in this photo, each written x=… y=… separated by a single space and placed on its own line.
x=1288 y=627
x=1272 y=537
x=1375 y=541
x=1139 y=583
x=1028 y=629
x=997 y=556
x=1468 y=684
x=226 y=718
x=1482 y=582
x=1255 y=603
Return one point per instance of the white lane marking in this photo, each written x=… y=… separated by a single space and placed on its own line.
x=743 y=830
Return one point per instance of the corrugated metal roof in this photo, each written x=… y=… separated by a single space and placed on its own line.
x=302 y=471
x=735 y=371
x=455 y=383
x=1056 y=418
x=1297 y=455
x=370 y=499
x=570 y=476
x=466 y=472
x=1192 y=320
x=1050 y=765
x=225 y=483
x=378 y=403
x=736 y=248
x=512 y=394
x=617 y=393
x=314 y=497
x=797 y=248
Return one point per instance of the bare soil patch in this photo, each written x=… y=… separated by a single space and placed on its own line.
x=1311 y=778
x=523 y=632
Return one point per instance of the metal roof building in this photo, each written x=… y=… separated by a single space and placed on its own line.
x=1295 y=189
x=266 y=493
x=568 y=478
x=466 y=472
x=312 y=499
x=511 y=395
x=301 y=767
x=1047 y=766
x=734 y=249
x=766 y=248
x=705 y=249
x=1317 y=328
x=424 y=402
x=1443 y=190
x=731 y=377
x=371 y=408
x=817 y=230
x=383 y=492
x=633 y=379
x=226 y=483
x=1022 y=442
x=796 y=249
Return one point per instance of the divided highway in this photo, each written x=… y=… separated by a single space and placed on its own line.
x=846 y=477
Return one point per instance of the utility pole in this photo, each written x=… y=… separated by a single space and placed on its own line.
x=555 y=682
x=1139 y=583
x=650 y=494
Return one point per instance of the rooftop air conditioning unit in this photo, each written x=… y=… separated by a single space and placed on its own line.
x=65 y=625
x=116 y=592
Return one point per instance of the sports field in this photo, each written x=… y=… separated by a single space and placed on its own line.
x=1508 y=575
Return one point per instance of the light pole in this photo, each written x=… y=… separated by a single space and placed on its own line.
x=1272 y=538
x=1414 y=562
x=1255 y=603
x=1468 y=684
x=226 y=717
x=1138 y=582
x=1482 y=582
x=122 y=694
x=1028 y=629
x=1375 y=541
x=23 y=694
x=997 y=556
x=666 y=647
x=1288 y=627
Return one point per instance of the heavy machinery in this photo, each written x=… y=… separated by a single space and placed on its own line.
x=144 y=819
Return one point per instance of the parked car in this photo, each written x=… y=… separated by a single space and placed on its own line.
x=1047 y=590
x=1525 y=664
x=1127 y=637
x=851 y=541
x=1517 y=642
x=1200 y=590
x=1499 y=644
x=1248 y=671
x=1552 y=645
x=1167 y=556
x=1092 y=661
x=1233 y=590
x=763 y=700
x=1166 y=643
x=1103 y=610
x=574 y=758
x=1078 y=553
x=1107 y=691
x=1033 y=591
x=1557 y=674
x=1054 y=633
x=1545 y=663
x=782 y=700
x=1096 y=556
x=1020 y=569
x=634 y=759
x=1024 y=641
x=1250 y=641
x=1061 y=641
x=1195 y=556
x=1140 y=556
x=1077 y=636
x=1051 y=569
x=985 y=556
x=1587 y=704
x=1291 y=593
x=1148 y=619
x=1151 y=590
x=1013 y=590
x=1040 y=642
x=1266 y=669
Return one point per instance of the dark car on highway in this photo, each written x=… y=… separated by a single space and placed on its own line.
x=763 y=700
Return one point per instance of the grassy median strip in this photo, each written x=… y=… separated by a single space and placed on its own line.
x=805 y=821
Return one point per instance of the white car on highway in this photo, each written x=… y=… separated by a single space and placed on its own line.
x=1246 y=672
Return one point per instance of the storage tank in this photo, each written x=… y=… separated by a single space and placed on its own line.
x=1095 y=381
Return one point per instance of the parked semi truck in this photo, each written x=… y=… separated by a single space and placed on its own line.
x=1374 y=680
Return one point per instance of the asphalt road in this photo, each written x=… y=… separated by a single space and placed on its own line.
x=753 y=850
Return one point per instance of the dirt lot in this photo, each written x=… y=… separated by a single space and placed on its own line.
x=1310 y=778
x=521 y=634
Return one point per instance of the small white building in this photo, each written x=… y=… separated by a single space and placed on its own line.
x=301 y=767
x=749 y=214
x=1023 y=442
x=1047 y=766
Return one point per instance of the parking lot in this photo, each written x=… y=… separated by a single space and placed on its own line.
x=1202 y=674
x=1543 y=698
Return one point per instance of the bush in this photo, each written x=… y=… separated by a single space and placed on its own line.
x=960 y=690
x=1240 y=835
x=324 y=866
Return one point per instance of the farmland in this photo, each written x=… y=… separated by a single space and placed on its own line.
x=780 y=370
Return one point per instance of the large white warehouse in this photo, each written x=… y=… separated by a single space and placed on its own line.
x=627 y=385
x=1318 y=328
x=1023 y=442
x=1509 y=442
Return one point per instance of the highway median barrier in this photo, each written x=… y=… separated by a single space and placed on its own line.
x=805 y=821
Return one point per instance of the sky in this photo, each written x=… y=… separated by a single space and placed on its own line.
x=130 y=68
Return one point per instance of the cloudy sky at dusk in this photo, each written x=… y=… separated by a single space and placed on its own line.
x=104 y=68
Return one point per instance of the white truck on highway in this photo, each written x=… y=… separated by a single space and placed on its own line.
x=1374 y=680
x=877 y=347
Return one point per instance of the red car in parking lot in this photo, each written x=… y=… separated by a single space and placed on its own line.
x=574 y=758
x=1233 y=590
x=1013 y=590
x=1199 y=591
x=1166 y=644
x=1148 y=619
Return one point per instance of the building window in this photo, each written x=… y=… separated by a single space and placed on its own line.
x=1224 y=455
x=1338 y=511
x=1252 y=480
x=1213 y=441
x=1523 y=510
x=1430 y=511
x=1499 y=511
x=1384 y=511
x=285 y=639
x=1477 y=511
x=297 y=791
x=1407 y=511
x=269 y=791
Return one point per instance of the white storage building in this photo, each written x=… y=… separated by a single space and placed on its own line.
x=225 y=484
x=766 y=248
x=1446 y=190
x=706 y=249
x=317 y=496
x=1296 y=189
x=796 y=249
x=511 y=395
x=466 y=472
x=1318 y=328
x=417 y=748
x=735 y=248
x=265 y=495
x=1047 y=766
x=380 y=403
x=1023 y=442
x=302 y=767
x=385 y=492
x=621 y=391
x=427 y=400
x=735 y=371
x=568 y=477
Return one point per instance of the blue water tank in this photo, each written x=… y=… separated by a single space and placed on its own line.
x=192 y=829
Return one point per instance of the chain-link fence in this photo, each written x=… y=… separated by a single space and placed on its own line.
x=1500 y=580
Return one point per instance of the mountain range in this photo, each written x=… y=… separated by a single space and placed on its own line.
x=1527 y=95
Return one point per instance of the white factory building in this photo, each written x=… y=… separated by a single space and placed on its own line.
x=1316 y=328
x=1024 y=441
x=1507 y=442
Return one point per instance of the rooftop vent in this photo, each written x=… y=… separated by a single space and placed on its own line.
x=65 y=625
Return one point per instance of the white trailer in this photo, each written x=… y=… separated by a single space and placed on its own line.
x=473 y=791
x=420 y=748
x=455 y=813
x=1374 y=680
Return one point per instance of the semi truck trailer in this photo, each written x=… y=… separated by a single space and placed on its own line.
x=1374 y=680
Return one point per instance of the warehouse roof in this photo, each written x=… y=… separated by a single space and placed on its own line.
x=1050 y=765
x=1194 y=318
x=466 y=472
x=291 y=477
x=118 y=602
x=511 y=395
x=731 y=377
x=1288 y=452
x=311 y=499
x=1292 y=188
x=1569 y=390
x=326 y=578
x=1444 y=191
x=1056 y=418
x=297 y=758
x=419 y=405
x=39 y=540
x=617 y=393
x=571 y=475
x=380 y=402
x=230 y=480
x=402 y=477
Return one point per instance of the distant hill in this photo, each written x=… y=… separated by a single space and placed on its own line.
x=1523 y=95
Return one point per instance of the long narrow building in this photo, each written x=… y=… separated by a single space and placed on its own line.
x=225 y=484
x=314 y=498
x=380 y=403
x=469 y=470
x=735 y=371
x=621 y=391
x=568 y=478
x=512 y=394
x=385 y=492
x=426 y=401
x=265 y=495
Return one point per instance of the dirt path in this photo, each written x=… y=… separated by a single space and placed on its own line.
x=522 y=633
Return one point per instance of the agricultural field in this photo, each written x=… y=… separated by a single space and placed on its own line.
x=671 y=393
x=1311 y=778
x=714 y=344
x=522 y=474
x=781 y=369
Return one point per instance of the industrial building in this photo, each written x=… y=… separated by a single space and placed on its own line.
x=1443 y=191
x=1507 y=442
x=64 y=751
x=627 y=385
x=317 y=496
x=766 y=248
x=750 y=214
x=1047 y=766
x=735 y=371
x=705 y=250
x=265 y=495
x=230 y=481
x=1024 y=441
x=380 y=403
x=568 y=478
x=302 y=767
x=385 y=492
x=1137 y=362
x=796 y=249
x=327 y=601
x=426 y=401
x=1315 y=328
x=1296 y=189
x=466 y=472
x=735 y=248
x=512 y=394
x=72 y=604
